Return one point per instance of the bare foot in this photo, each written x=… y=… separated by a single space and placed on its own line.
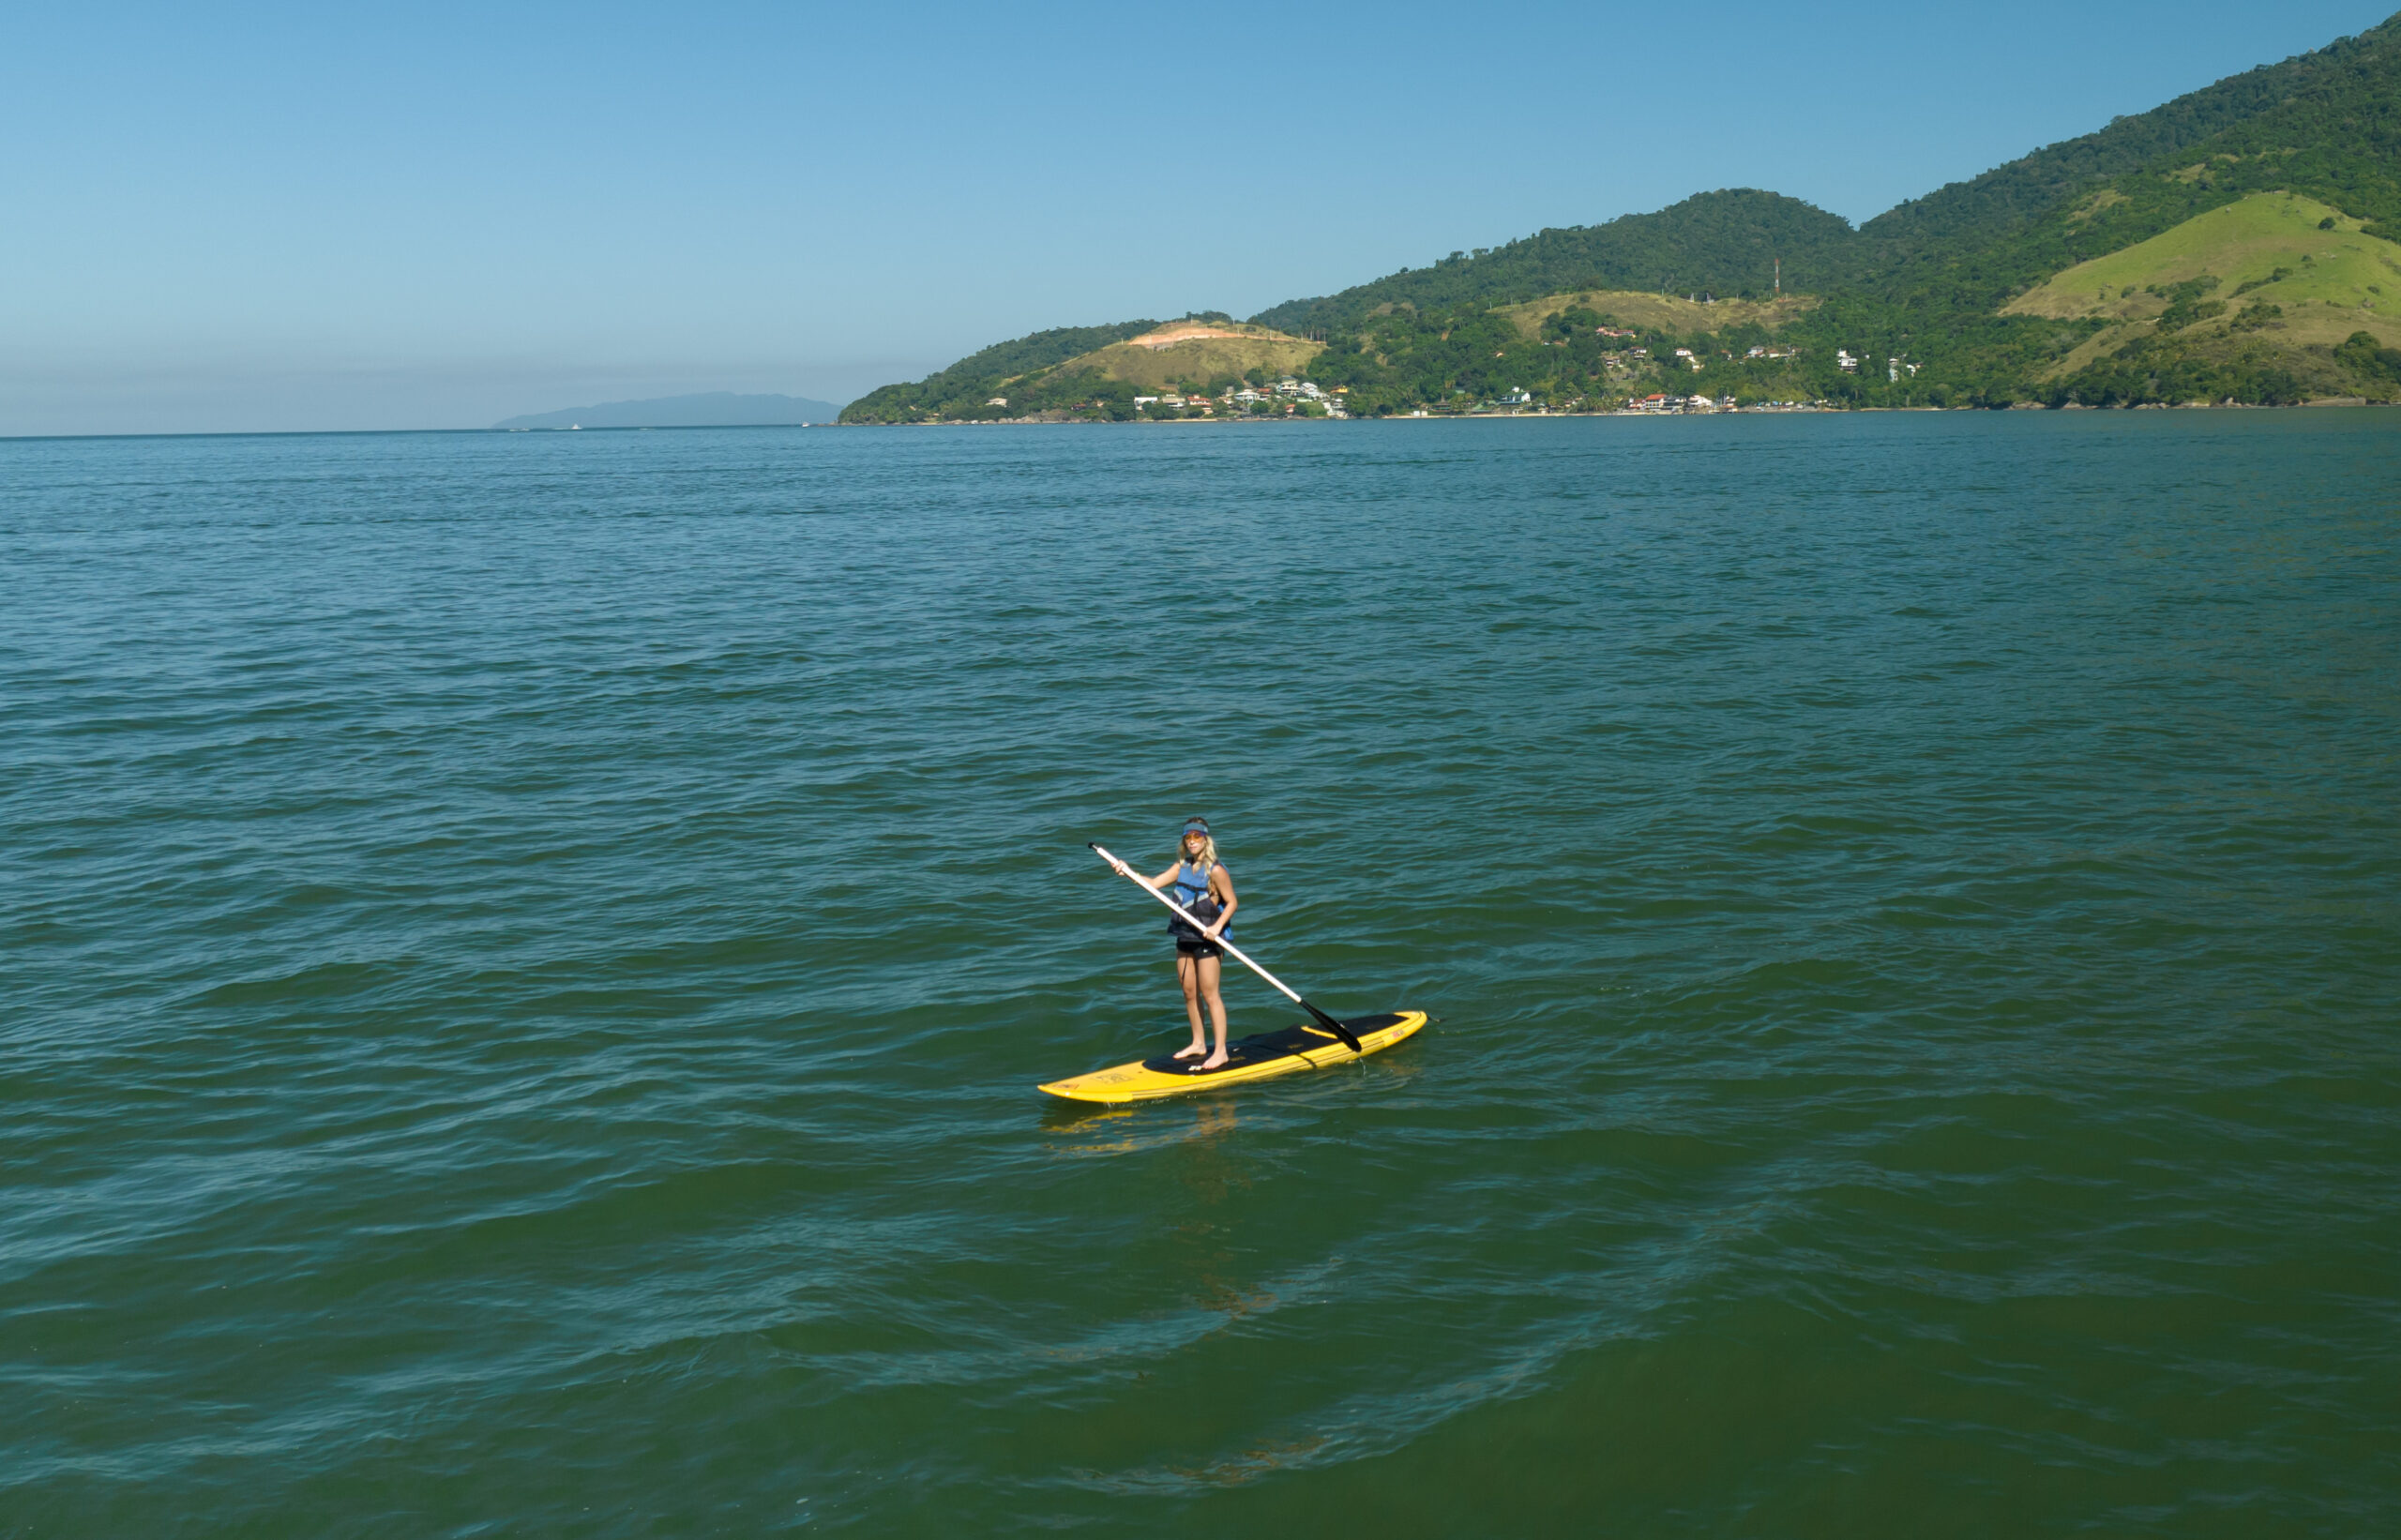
x=1215 y=1061
x=1193 y=1052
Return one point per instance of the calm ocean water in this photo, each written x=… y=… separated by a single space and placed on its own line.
x=527 y=957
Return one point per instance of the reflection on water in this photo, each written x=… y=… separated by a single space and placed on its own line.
x=1103 y=1130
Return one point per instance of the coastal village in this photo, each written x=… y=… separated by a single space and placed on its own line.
x=1296 y=397
x=1287 y=397
x=1293 y=396
x=1704 y=357
x=1300 y=399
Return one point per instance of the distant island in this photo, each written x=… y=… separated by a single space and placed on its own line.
x=714 y=409
x=2239 y=245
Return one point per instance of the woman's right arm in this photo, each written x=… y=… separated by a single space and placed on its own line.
x=1154 y=883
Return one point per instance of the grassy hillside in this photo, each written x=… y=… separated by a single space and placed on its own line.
x=1049 y=376
x=1187 y=353
x=2296 y=253
x=2273 y=280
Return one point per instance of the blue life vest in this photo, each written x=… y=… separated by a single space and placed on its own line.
x=1190 y=890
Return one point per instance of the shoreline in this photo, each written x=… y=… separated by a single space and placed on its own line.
x=2320 y=403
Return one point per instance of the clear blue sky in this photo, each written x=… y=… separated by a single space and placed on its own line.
x=231 y=217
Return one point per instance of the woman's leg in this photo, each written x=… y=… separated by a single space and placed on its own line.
x=1208 y=973
x=1187 y=971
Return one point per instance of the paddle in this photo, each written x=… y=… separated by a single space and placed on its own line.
x=1330 y=1023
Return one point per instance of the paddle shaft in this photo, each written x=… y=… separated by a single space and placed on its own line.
x=1349 y=1039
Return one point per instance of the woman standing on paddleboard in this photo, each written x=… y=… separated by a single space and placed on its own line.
x=1200 y=884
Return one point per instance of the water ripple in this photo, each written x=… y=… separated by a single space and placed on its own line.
x=528 y=957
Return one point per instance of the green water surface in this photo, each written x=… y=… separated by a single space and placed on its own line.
x=527 y=958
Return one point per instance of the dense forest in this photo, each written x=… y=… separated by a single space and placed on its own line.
x=1915 y=297
x=1715 y=243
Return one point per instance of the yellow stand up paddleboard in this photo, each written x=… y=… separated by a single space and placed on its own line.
x=1255 y=1058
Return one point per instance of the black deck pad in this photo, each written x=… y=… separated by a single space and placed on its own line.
x=1280 y=1044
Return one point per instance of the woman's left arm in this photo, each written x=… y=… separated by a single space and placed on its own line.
x=1222 y=886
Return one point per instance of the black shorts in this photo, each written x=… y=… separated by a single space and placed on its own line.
x=1197 y=946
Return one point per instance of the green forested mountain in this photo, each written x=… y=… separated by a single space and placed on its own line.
x=2325 y=122
x=1722 y=243
x=2327 y=125
x=979 y=376
x=1923 y=297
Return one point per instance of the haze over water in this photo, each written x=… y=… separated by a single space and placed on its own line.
x=528 y=957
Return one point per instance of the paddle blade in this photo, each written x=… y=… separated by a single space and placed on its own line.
x=1335 y=1027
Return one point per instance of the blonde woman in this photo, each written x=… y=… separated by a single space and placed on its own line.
x=1200 y=883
